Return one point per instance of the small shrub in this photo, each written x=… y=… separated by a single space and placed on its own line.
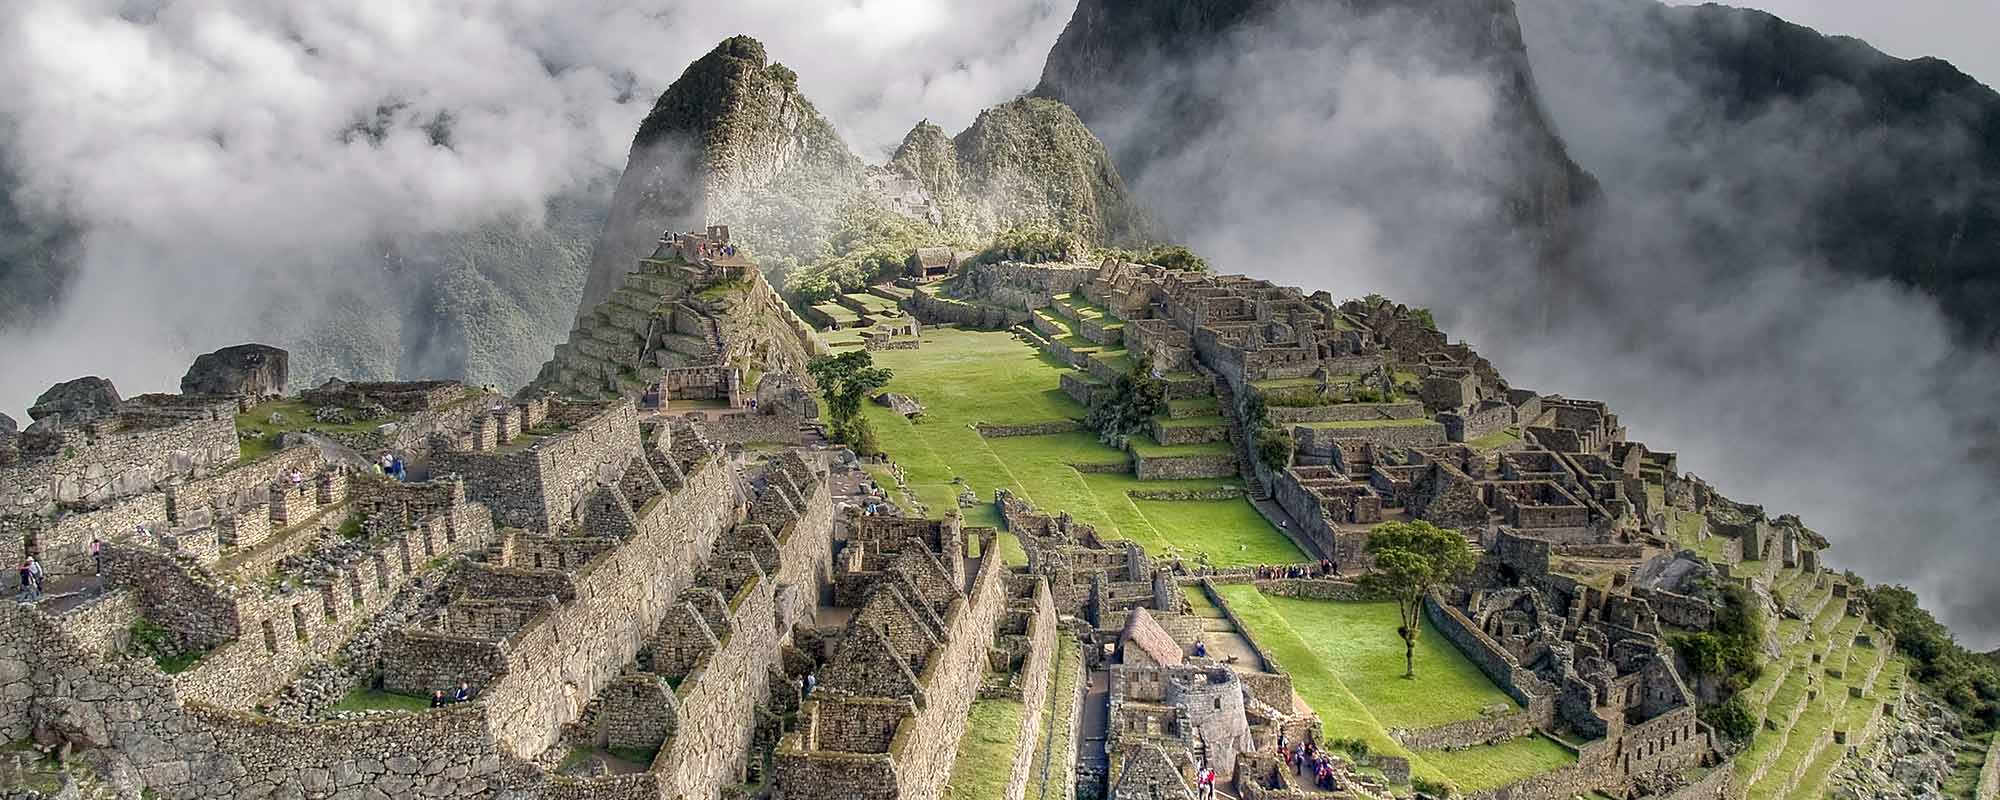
x=1430 y=788
x=1274 y=447
x=1731 y=718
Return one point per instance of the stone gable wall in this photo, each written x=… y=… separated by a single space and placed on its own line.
x=561 y=660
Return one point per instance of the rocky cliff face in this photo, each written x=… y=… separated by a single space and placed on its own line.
x=1173 y=88
x=734 y=124
x=1874 y=165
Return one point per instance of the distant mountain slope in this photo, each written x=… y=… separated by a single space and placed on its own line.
x=1874 y=165
x=734 y=142
x=1172 y=87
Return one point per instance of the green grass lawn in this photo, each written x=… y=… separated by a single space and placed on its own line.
x=1477 y=769
x=1346 y=661
x=986 y=750
x=366 y=699
x=1496 y=440
x=964 y=378
x=293 y=415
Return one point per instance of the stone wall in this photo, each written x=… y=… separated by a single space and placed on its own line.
x=561 y=660
x=64 y=546
x=1320 y=441
x=754 y=429
x=718 y=699
x=105 y=461
x=935 y=310
x=1167 y=468
x=1034 y=429
x=1037 y=679
x=1499 y=666
x=542 y=485
x=200 y=501
x=1347 y=412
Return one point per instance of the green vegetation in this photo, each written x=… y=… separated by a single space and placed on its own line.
x=1730 y=653
x=1274 y=443
x=1411 y=559
x=261 y=426
x=967 y=378
x=1478 y=769
x=362 y=698
x=1171 y=256
x=843 y=380
x=1343 y=660
x=1054 y=739
x=1496 y=440
x=986 y=750
x=1967 y=680
x=868 y=244
x=1128 y=405
x=1033 y=243
x=150 y=640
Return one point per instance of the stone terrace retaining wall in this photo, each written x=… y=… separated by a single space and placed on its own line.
x=1467 y=733
x=1319 y=441
x=1347 y=412
x=1036 y=429
x=1166 y=468
x=935 y=310
x=64 y=548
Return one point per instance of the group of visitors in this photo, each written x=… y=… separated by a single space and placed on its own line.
x=1309 y=761
x=31 y=578
x=722 y=250
x=441 y=698
x=1204 y=783
x=390 y=464
x=1324 y=568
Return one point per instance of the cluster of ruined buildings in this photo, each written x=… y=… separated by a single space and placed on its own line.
x=1581 y=574
x=636 y=605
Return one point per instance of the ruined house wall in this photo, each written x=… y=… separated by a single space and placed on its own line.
x=1036 y=681
x=927 y=744
x=1499 y=666
x=542 y=486
x=564 y=658
x=63 y=547
x=104 y=466
x=718 y=700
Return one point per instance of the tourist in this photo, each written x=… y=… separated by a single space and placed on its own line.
x=1205 y=782
x=27 y=578
x=388 y=465
x=1201 y=649
x=396 y=467
x=463 y=694
x=437 y=698
x=96 y=556
x=807 y=684
x=35 y=576
x=297 y=478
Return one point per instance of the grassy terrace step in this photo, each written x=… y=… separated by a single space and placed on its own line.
x=1491 y=766
x=838 y=313
x=870 y=301
x=986 y=751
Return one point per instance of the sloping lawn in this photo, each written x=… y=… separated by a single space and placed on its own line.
x=1346 y=661
x=964 y=378
x=986 y=751
x=1477 y=769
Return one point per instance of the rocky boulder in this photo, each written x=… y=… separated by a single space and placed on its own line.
x=8 y=425
x=256 y=370
x=75 y=402
x=900 y=403
x=780 y=393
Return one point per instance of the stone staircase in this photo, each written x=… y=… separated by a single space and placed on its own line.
x=648 y=321
x=1240 y=440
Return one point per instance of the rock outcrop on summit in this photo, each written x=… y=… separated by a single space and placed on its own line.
x=734 y=139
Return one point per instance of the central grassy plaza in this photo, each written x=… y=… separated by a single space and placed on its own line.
x=968 y=378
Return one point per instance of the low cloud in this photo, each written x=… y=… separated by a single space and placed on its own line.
x=254 y=169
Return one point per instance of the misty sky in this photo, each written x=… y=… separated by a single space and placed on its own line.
x=1959 y=31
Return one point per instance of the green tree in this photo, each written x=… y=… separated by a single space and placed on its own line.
x=1128 y=405
x=1411 y=560
x=843 y=380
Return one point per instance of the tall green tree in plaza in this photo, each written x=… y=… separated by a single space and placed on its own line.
x=1412 y=559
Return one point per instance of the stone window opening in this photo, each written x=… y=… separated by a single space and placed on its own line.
x=270 y=637
x=298 y=622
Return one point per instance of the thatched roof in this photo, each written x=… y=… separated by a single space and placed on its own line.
x=1144 y=641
